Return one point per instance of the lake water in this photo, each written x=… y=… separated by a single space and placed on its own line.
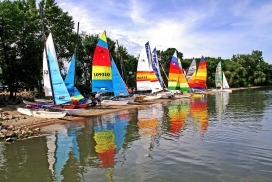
x=222 y=137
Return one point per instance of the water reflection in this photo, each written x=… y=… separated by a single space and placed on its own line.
x=199 y=113
x=222 y=100
x=148 y=144
x=178 y=112
x=109 y=133
x=62 y=145
x=149 y=121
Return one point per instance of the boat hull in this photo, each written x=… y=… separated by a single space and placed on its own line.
x=42 y=113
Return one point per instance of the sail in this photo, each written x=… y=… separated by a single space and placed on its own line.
x=143 y=72
x=59 y=90
x=155 y=83
x=225 y=82
x=101 y=67
x=191 y=69
x=184 y=87
x=173 y=77
x=46 y=77
x=218 y=76
x=156 y=66
x=70 y=82
x=119 y=87
x=199 y=81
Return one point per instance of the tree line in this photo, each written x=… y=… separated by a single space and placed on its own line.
x=24 y=28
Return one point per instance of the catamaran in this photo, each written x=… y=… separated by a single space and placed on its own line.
x=146 y=79
x=220 y=80
x=197 y=81
x=53 y=83
x=105 y=75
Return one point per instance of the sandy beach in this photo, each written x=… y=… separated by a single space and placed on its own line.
x=11 y=117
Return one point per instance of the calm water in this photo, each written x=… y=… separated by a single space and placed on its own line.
x=223 y=137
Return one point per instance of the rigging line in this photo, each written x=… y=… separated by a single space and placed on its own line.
x=45 y=49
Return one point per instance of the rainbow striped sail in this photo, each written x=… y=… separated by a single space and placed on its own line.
x=101 y=67
x=197 y=82
x=184 y=87
x=174 y=70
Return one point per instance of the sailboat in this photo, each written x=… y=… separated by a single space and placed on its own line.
x=79 y=102
x=105 y=75
x=156 y=67
x=53 y=83
x=220 y=80
x=177 y=82
x=197 y=81
x=146 y=79
x=173 y=77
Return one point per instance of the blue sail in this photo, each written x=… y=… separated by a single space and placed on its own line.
x=156 y=67
x=119 y=87
x=70 y=76
x=60 y=92
x=74 y=93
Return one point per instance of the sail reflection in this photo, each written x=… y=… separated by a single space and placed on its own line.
x=109 y=133
x=222 y=100
x=149 y=125
x=199 y=113
x=60 y=145
x=178 y=112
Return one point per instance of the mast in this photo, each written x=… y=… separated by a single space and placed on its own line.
x=121 y=61
x=45 y=48
x=76 y=54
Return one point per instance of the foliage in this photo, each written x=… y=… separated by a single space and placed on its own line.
x=24 y=27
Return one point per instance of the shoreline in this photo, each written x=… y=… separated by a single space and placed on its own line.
x=14 y=123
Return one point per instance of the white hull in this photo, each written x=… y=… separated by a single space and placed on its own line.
x=114 y=102
x=222 y=90
x=152 y=97
x=180 y=96
x=74 y=111
x=43 y=100
x=42 y=113
x=166 y=95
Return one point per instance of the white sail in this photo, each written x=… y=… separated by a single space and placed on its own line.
x=191 y=69
x=46 y=78
x=225 y=82
x=143 y=70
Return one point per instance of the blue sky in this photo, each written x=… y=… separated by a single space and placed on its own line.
x=215 y=28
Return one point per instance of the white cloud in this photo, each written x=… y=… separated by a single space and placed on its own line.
x=210 y=28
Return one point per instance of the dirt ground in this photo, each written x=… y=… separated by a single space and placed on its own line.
x=11 y=117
